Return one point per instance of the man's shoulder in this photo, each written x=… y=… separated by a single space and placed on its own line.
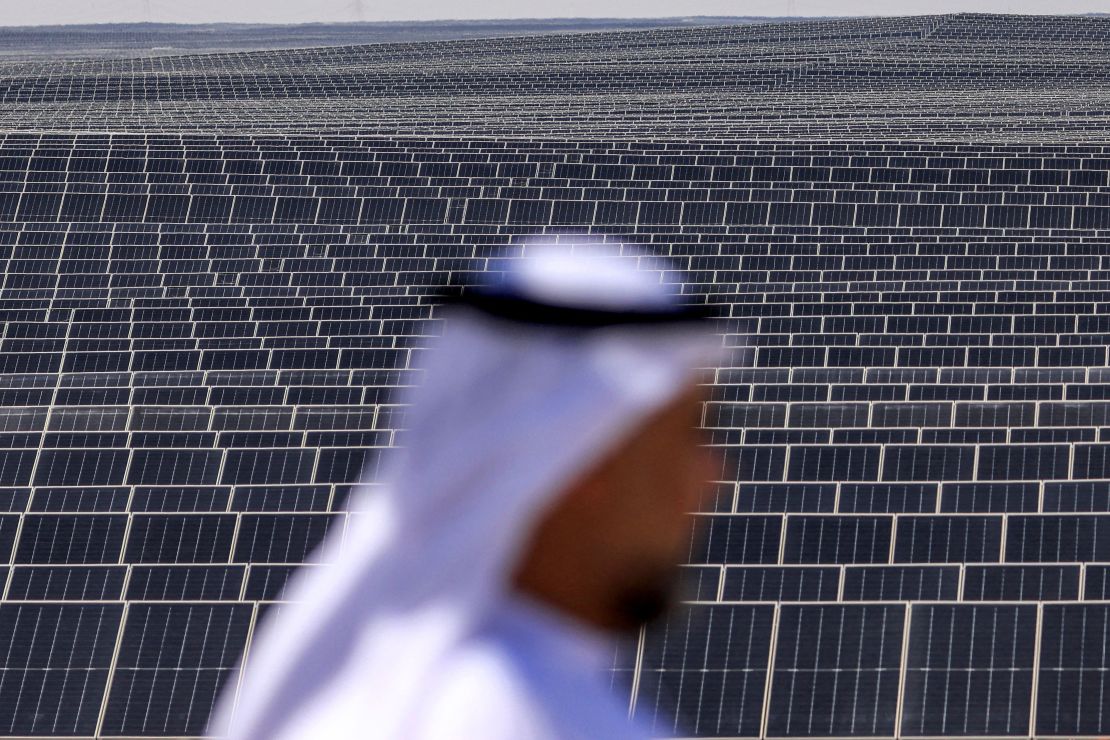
x=478 y=690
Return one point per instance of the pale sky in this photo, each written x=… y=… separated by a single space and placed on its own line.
x=38 y=12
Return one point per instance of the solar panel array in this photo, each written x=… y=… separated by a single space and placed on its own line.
x=220 y=268
x=107 y=40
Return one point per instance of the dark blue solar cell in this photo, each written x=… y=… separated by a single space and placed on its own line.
x=704 y=671
x=281 y=498
x=14 y=499
x=347 y=465
x=71 y=538
x=267 y=582
x=1064 y=496
x=928 y=462
x=180 y=538
x=1092 y=461
x=786 y=497
x=1023 y=462
x=781 y=583
x=1057 y=538
x=487 y=211
x=81 y=498
x=185 y=582
x=268 y=466
x=80 y=467
x=832 y=463
x=176 y=467
x=745 y=415
x=837 y=539
x=882 y=498
x=836 y=671
x=901 y=583
x=948 y=539
x=162 y=690
x=735 y=539
x=56 y=666
x=180 y=499
x=67 y=583
x=16 y=467
x=975 y=657
x=699 y=583
x=1021 y=582
x=751 y=463
x=995 y=414
x=1072 y=685
x=281 y=538
x=989 y=497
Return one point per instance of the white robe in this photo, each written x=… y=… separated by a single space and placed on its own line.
x=526 y=674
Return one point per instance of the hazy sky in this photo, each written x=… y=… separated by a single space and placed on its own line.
x=35 y=12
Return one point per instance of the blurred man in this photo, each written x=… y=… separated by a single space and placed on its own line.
x=536 y=510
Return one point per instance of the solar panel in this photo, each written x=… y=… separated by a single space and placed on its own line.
x=56 y=666
x=704 y=670
x=976 y=659
x=836 y=671
x=173 y=658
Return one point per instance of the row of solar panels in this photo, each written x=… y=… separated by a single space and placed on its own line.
x=246 y=422
x=807 y=76
x=830 y=670
x=666 y=183
x=730 y=539
x=974 y=582
x=476 y=182
x=673 y=43
x=733 y=117
x=764 y=583
x=952 y=497
x=760 y=396
x=769 y=386
x=957 y=298
x=140 y=582
x=360 y=157
x=191 y=321
x=903 y=258
x=955 y=293
x=225 y=209
x=164 y=664
x=120 y=355
x=294 y=146
x=111 y=464
x=845 y=670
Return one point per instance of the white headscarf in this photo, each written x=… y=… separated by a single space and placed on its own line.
x=508 y=415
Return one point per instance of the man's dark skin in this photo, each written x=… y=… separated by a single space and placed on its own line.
x=607 y=551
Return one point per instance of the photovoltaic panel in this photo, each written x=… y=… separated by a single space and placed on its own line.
x=842 y=539
x=948 y=539
x=66 y=583
x=704 y=671
x=56 y=666
x=780 y=583
x=901 y=583
x=1072 y=679
x=173 y=658
x=836 y=671
x=969 y=670
x=700 y=583
x=1021 y=582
